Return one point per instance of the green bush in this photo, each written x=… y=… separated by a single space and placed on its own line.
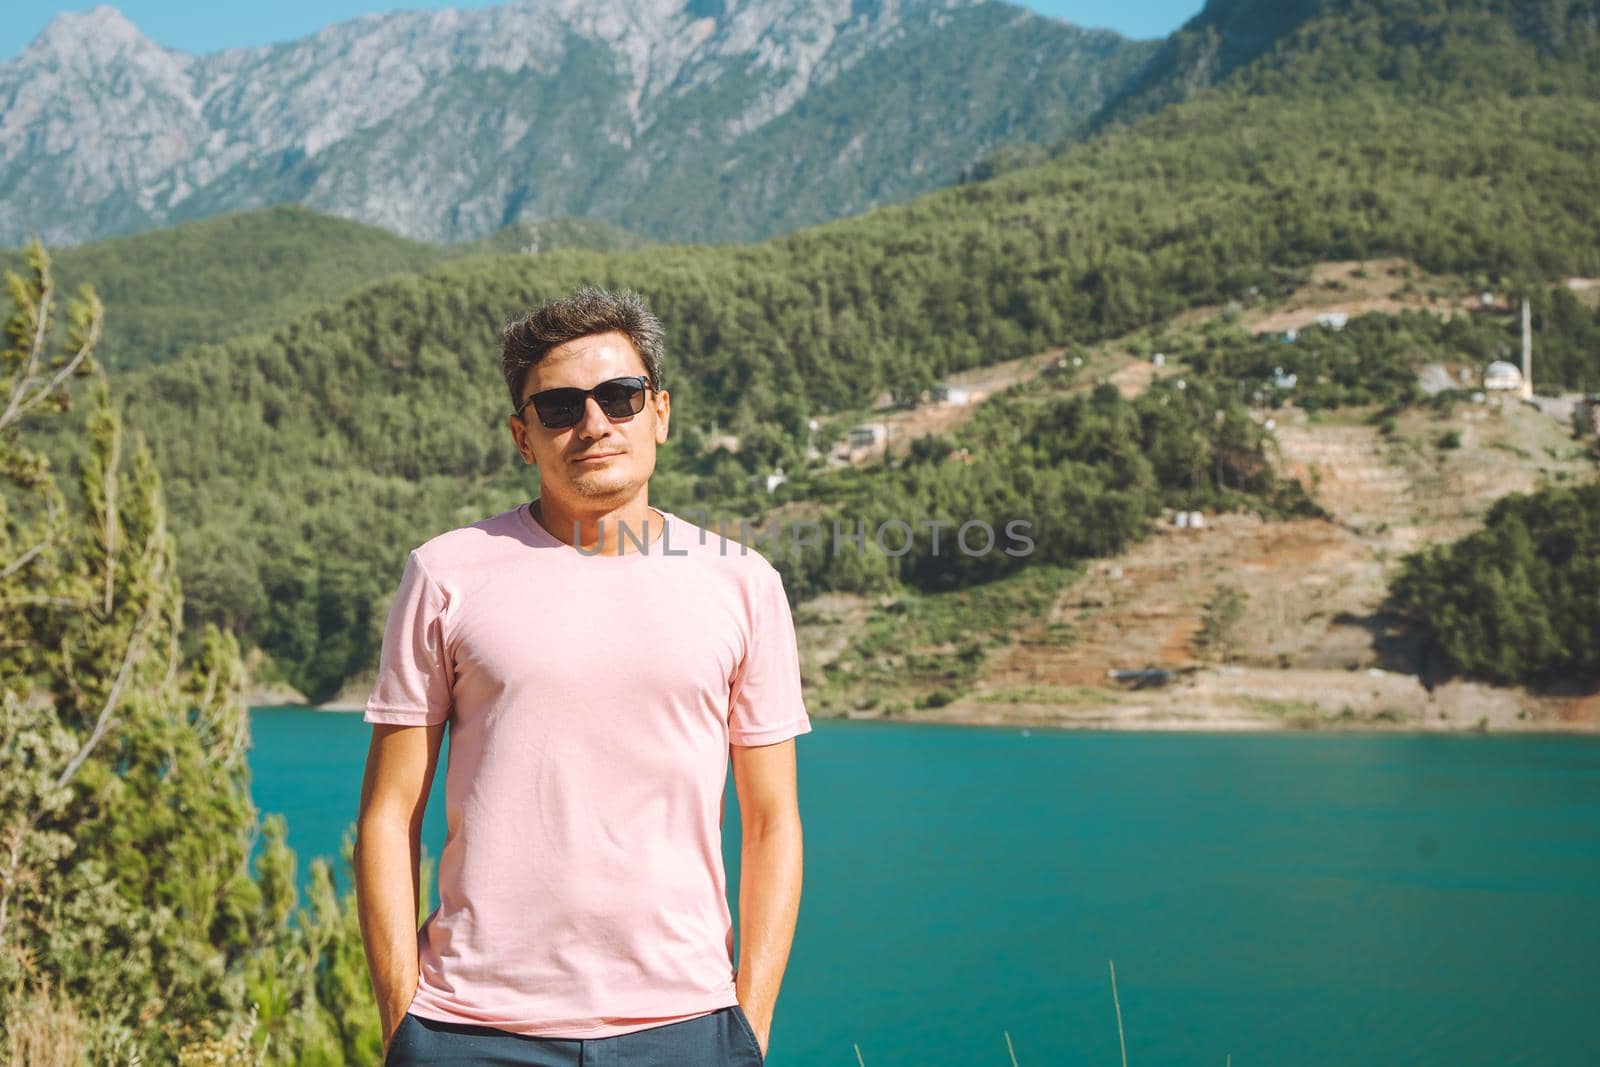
x=1518 y=601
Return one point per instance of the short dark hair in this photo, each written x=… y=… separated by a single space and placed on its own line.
x=588 y=311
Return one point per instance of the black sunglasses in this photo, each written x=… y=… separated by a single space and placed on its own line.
x=560 y=408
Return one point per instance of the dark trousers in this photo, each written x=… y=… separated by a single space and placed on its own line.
x=723 y=1038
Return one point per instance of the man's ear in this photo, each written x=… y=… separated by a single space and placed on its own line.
x=519 y=436
x=663 y=415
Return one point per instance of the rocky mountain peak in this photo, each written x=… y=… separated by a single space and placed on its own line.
x=97 y=36
x=680 y=119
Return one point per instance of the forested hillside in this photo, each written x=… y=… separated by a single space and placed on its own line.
x=248 y=273
x=1416 y=46
x=1224 y=36
x=1374 y=360
x=305 y=462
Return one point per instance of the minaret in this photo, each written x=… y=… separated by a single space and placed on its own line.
x=1527 y=352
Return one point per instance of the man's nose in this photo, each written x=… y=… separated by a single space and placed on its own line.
x=594 y=422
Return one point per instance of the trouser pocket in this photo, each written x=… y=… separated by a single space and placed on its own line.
x=742 y=1022
x=402 y=1048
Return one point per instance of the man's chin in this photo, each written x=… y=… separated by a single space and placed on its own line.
x=601 y=483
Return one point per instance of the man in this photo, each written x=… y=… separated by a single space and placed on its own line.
x=596 y=660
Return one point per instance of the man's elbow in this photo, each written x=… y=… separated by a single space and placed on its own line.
x=772 y=823
x=384 y=828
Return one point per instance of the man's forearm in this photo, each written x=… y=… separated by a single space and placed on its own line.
x=386 y=868
x=769 y=903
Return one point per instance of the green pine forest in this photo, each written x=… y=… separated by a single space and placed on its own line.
x=286 y=415
x=216 y=279
x=1518 y=601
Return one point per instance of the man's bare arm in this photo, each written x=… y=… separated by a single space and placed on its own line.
x=769 y=875
x=394 y=794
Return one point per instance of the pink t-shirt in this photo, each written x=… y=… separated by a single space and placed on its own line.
x=591 y=702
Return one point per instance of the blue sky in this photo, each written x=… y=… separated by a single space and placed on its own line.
x=195 y=26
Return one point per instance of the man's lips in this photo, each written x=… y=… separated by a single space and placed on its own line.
x=597 y=456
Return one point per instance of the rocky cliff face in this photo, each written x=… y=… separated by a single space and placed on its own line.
x=683 y=120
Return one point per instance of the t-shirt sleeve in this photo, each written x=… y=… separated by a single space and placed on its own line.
x=765 y=702
x=415 y=678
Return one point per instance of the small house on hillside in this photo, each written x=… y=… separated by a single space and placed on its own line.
x=945 y=393
x=869 y=435
x=1334 y=320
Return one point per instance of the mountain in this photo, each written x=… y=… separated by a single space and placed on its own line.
x=1410 y=44
x=1224 y=36
x=302 y=463
x=674 y=119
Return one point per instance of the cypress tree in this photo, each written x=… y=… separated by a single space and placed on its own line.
x=131 y=925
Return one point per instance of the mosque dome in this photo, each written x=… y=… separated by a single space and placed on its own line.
x=1502 y=375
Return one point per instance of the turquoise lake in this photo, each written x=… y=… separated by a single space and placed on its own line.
x=1289 y=898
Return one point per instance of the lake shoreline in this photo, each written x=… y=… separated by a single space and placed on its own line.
x=1222 y=725
x=1065 y=719
x=1227 y=699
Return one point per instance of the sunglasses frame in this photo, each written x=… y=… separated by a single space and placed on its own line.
x=644 y=388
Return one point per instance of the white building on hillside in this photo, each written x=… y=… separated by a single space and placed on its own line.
x=1502 y=377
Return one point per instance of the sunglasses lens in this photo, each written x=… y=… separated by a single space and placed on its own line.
x=559 y=408
x=620 y=398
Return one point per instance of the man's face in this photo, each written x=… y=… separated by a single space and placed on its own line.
x=599 y=461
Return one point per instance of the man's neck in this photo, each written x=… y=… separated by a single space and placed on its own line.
x=613 y=531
